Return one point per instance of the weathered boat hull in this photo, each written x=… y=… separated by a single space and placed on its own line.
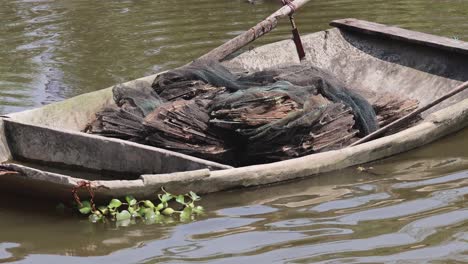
x=363 y=55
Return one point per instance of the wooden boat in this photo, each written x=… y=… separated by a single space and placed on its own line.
x=50 y=155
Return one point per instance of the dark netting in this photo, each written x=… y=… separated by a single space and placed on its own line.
x=327 y=85
x=207 y=111
x=283 y=121
x=259 y=105
x=139 y=100
x=308 y=77
x=181 y=78
x=212 y=73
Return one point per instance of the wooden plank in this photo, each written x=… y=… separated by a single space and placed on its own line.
x=253 y=33
x=400 y=34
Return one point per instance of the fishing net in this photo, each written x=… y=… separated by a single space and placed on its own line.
x=310 y=78
x=139 y=100
x=177 y=81
x=283 y=120
x=207 y=111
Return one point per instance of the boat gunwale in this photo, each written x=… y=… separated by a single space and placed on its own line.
x=401 y=34
x=121 y=142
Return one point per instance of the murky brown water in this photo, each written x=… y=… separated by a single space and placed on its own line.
x=412 y=209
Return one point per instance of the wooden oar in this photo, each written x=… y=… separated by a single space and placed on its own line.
x=252 y=34
x=411 y=115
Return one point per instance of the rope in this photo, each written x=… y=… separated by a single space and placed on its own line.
x=89 y=188
x=291 y=5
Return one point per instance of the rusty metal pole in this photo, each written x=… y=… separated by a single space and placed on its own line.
x=296 y=36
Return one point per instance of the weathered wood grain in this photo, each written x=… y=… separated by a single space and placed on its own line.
x=401 y=34
x=407 y=118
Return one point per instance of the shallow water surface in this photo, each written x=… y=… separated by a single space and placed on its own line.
x=54 y=49
x=407 y=209
x=410 y=208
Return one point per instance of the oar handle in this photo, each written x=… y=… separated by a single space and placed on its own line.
x=252 y=34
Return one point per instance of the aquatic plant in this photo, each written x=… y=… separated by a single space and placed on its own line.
x=125 y=210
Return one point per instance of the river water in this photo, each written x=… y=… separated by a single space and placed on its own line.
x=408 y=209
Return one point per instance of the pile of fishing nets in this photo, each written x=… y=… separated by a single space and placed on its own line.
x=205 y=110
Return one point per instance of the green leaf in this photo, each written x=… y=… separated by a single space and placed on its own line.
x=104 y=210
x=85 y=210
x=130 y=200
x=85 y=207
x=194 y=196
x=187 y=210
x=115 y=203
x=135 y=214
x=148 y=204
x=186 y=214
x=160 y=218
x=166 y=197
x=198 y=210
x=142 y=211
x=180 y=199
x=168 y=211
x=160 y=207
x=150 y=215
x=124 y=215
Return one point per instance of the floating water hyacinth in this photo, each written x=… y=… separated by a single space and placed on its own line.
x=130 y=209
